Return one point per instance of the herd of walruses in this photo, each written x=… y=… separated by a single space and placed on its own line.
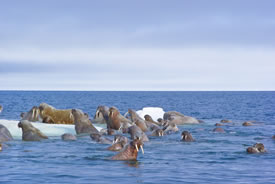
x=117 y=125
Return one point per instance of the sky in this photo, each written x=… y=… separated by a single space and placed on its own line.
x=173 y=45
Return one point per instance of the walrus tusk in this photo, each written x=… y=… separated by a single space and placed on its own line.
x=141 y=147
x=136 y=148
x=126 y=114
x=32 y=113
x=182 y=137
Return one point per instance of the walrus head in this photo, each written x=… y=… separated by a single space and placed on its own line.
x=186 y=136
x=138 y=144
x=113 y=111
x=148 y=118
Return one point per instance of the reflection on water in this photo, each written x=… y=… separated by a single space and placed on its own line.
x=135 y=164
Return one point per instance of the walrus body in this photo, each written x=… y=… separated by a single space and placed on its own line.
x=48 y=114
x=179 y=119
x=138 y=120
x=130 y=152
x=82 y=122
x=219 y=130
x=55 y=116
x=5 y=134
x=30 y=133
x=116 y=120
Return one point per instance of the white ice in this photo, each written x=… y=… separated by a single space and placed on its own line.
x=154 y=112
x=47 y=129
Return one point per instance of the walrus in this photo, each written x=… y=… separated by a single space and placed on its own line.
x=256 y=148
x=0 y=147
x=218 y=124
x=82 y=122
x=138 y=120
x=148 y=118
x=30 y=133
x=186 y=136
x=118 y=143
x=220 y=130
x=130 y=152
x=137 y=133
x=5 y=134
x=179 y=119
x=100 y=138
x=33 y=115
x=55 y=116
x=68 y=137
x=116 y=120
x=247 y=123
x=157 y=132
x=1 y=108
x=226 y=121
x=101 y=115
x=170 y=128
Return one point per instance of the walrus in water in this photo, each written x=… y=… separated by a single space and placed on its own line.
x=157 y=132
x=219 y=130
x=82 y=122
x=101 y=115
x=170 y=128
x=68 y=137
x=148 y=118
x=247 y=123
x=30 y=133
x=256 y=148
x=118 y=143
x=116 y=120
x=130 y=152
x=5 y=134
x=100 y=138
x=179 y=119
x=138 y=120
x=1 y=108
x=226 y=121
x=186 y=136
x=137 y=133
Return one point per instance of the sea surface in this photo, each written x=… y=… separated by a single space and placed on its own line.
x=212 y=158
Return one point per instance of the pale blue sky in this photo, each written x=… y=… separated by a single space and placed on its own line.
x=137 y=45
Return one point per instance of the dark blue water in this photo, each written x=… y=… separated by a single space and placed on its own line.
x=213 y=158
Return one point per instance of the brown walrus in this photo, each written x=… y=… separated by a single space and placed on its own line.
x=55 y=116
x=1 y=108
x=256 y=148
x=170 y=128
x=130 y=152
x=82 y=122
x=48 y=114
x=148 y=118
x=116 y=120
x=226 y=121
x=68 y=137
x=138 y=120
x=186 y=136
x=0 y=147
x=118 y=143
x=29 y=132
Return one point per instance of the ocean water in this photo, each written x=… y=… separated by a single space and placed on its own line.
x=212 y=158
